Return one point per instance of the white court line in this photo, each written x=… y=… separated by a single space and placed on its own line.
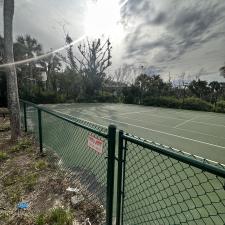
x=191 y=131
x=127 y=113
x=162 y=132
x=186 y=121
x=208 y=124
x=156 y=131
x=105 y=127
x=168 y=117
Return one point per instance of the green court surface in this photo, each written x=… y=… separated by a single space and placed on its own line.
x=195 y=132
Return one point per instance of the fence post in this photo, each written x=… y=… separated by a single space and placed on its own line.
x=25 y=116
x=40 y=130
x=110 y=173
x=119 y=178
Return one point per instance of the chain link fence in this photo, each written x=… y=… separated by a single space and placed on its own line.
x=71 y=145
x=166 y=187
x=155 y=184
x=66 y=140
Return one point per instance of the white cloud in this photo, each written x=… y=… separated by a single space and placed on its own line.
x=175 y=36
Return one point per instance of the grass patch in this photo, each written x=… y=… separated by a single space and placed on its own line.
x=3 y=156
x=4 y=216
x=57 y=216
x=29 y=181
x=12 y=178
x=21 y=145
x=41 y=165
x=4 y=127
x=14 y=194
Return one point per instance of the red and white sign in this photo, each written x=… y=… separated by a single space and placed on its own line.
x=95 y=144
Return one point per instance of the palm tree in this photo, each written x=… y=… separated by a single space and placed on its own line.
x=12 y=87
x=27 y=47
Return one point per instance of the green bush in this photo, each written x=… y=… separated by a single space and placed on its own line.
x=189 y=103
x=109 y=98
x=170 y=102
x=129 y=99
x=197 y=104
x=44 y=97
x=98 y=99
x=220 y=107
x=131 y=95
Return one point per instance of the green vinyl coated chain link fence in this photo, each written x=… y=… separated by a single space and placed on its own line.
x=155 y=184
x=163 y=186
x=68 y=138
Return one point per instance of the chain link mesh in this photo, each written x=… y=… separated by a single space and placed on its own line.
x=157 y=189
x=165 y=191
x=92 y=125
x=32 y=121
x=67 y=144
x=69 y=141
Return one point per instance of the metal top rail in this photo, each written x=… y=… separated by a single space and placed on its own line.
x=56 y=114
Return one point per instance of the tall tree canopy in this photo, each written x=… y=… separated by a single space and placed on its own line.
x=89 y=62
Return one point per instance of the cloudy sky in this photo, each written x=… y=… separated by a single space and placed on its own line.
x=168 y=36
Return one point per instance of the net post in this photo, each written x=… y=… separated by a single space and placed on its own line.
x=25 y=116
x=110 y=173
x=40 y=131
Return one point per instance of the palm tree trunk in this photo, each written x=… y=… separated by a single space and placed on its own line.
x=12 y=87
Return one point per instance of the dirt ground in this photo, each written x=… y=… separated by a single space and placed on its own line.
x=26 y=176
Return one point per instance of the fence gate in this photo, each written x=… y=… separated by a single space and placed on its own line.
x=162 y=186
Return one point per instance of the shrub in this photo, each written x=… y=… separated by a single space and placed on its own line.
x=197 y=104
x=220 y=107
x=106 y=98
x=98 y=98
x=44 y=97
x=170 y=102
x=129 y=99
x=189 y=103
x=131 y=95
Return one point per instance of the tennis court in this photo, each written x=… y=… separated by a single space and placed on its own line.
x=195 y=132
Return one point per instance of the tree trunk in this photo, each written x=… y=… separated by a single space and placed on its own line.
x=12 y=87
